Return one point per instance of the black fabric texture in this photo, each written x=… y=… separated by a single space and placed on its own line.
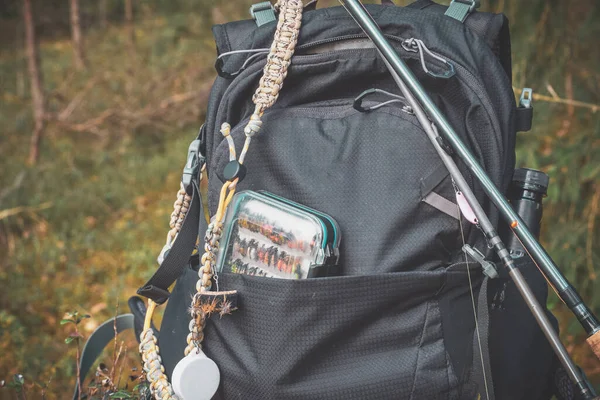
x=493 y=28
x=481 y=354
x=431 y=180
x=521 y=358
x=457 y=317
x=310 y=82
x=341 y=145
x=330 y=23
x=524 y=119
x=176 y=319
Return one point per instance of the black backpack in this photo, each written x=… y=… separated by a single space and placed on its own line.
x=399 y=322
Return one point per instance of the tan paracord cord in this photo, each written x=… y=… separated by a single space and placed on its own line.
x=274 y=73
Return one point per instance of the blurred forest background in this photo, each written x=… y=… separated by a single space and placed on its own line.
x=93 y=137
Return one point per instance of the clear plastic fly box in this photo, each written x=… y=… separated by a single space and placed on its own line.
x=266 y=235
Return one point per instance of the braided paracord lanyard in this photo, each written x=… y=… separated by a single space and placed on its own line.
x=274 y=73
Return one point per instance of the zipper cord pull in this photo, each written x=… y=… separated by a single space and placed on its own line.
x=395 y=98
x=417 y=46
x=220 y=61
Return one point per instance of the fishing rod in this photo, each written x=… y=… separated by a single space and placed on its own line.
x=409 y=85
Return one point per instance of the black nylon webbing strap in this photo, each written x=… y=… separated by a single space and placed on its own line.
x=157 y=288
x=106 y=333
x=480 y=365
x=524 y=119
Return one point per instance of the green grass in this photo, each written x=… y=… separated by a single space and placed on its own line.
x=106 y=195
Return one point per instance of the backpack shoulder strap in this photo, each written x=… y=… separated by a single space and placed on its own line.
x=98 y=340
x=106 y=333
x=176 y=257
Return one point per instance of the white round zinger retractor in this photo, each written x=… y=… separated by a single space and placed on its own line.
x=196 y=377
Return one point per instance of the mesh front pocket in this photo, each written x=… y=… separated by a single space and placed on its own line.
x=352 y=337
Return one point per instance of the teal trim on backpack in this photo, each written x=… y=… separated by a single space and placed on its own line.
x=460 y=9
x=263 y=13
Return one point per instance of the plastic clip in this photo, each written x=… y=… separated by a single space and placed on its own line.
x=195 y=161
x=526 y=98
x=488 y=267
x=460 y=9
x=263 y=13
x=473 y=4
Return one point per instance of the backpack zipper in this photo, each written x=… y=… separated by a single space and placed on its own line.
x=413 y=45
x=472 y=82
x=331 y=40
x=417 y=47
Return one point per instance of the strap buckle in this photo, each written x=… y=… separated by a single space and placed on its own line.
x=195 y=161
x=488 y=267
x=262 y=12
x=473 y=4
x=262 y=6
x=526 y=98
x=460 y=9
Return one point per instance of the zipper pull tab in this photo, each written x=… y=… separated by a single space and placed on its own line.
x=358 y=101
x=417 y=46
x=488 y=267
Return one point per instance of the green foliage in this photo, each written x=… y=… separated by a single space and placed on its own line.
x=123 y=395
x=75 y=319
x=93 y=213
x=108 y=192
x=17 y=383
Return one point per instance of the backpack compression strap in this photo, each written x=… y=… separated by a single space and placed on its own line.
x=98 y=340
x=177 y=254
